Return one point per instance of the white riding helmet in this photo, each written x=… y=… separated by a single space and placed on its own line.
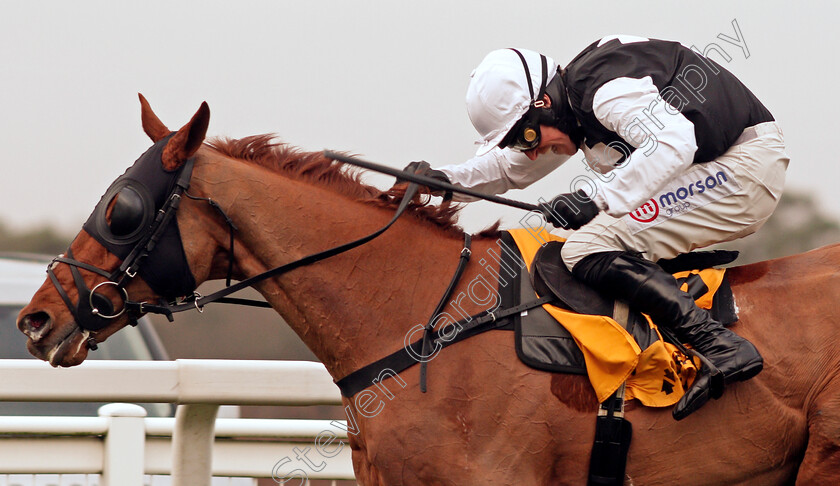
x=499 y=95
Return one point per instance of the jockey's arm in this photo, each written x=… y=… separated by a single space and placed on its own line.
x=663 y=137
x=500 y=170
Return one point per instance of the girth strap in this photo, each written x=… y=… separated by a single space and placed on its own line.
x=613 y=432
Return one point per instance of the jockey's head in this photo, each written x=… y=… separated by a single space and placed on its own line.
x=512 y=94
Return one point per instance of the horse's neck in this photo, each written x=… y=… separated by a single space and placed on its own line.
x=352 y=308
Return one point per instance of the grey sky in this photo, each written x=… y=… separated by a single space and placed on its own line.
x=382 y=79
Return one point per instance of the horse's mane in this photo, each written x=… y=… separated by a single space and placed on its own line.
x=313 y=167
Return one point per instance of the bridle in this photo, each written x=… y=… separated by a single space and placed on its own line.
x=135 y=220
x=142 y=230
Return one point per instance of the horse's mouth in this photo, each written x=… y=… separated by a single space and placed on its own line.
x=68 y=350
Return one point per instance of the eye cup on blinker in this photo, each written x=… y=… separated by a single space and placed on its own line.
x=128 y=213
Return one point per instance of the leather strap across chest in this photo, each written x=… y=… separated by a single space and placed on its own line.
x=405 y=358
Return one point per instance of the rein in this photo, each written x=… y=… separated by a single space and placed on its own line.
x=220 y=296
x=93 y=311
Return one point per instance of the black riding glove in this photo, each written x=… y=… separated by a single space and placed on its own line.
x=423 y=168
x=570 y=210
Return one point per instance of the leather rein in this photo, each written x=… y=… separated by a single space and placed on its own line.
x=93 y=310
x=198 y=301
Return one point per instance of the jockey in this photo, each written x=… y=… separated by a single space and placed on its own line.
x=683 y=156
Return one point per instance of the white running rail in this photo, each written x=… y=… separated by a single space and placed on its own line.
x=122 y=444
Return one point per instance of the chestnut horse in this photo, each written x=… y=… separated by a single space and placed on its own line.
x=486 y=418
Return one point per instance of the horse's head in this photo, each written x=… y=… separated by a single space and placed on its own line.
x=131 y=232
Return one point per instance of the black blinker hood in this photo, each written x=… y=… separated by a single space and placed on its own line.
x=165 y=268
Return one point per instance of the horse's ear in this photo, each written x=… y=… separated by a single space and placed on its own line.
x=152 y=125
x=187 y=140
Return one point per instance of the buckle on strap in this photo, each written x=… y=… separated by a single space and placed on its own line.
x=197 y=297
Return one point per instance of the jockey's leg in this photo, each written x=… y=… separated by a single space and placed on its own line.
x=651 y=290
x=616 y=255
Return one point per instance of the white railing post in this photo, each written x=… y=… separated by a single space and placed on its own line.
x=192 y=444
x=124 y=444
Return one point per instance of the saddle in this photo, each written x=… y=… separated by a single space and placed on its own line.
x=578 y=335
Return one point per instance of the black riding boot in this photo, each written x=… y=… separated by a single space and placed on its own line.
x=649 y=289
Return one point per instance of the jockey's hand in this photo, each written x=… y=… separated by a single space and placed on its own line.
x=423 y=168
x=570 y=210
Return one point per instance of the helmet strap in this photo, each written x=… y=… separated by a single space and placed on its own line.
x=537 y=101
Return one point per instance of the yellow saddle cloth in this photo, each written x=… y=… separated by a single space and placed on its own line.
x=658 y=375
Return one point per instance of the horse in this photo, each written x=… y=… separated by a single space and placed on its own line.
x=486 y=418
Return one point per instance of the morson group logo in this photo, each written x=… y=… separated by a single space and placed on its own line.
x=686 y=193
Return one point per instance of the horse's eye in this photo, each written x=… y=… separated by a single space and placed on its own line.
x=127 y=213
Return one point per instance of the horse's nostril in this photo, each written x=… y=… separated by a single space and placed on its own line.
x=36 y=320
x=35 y=325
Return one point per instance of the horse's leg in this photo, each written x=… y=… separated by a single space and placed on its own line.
x=821 y=464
